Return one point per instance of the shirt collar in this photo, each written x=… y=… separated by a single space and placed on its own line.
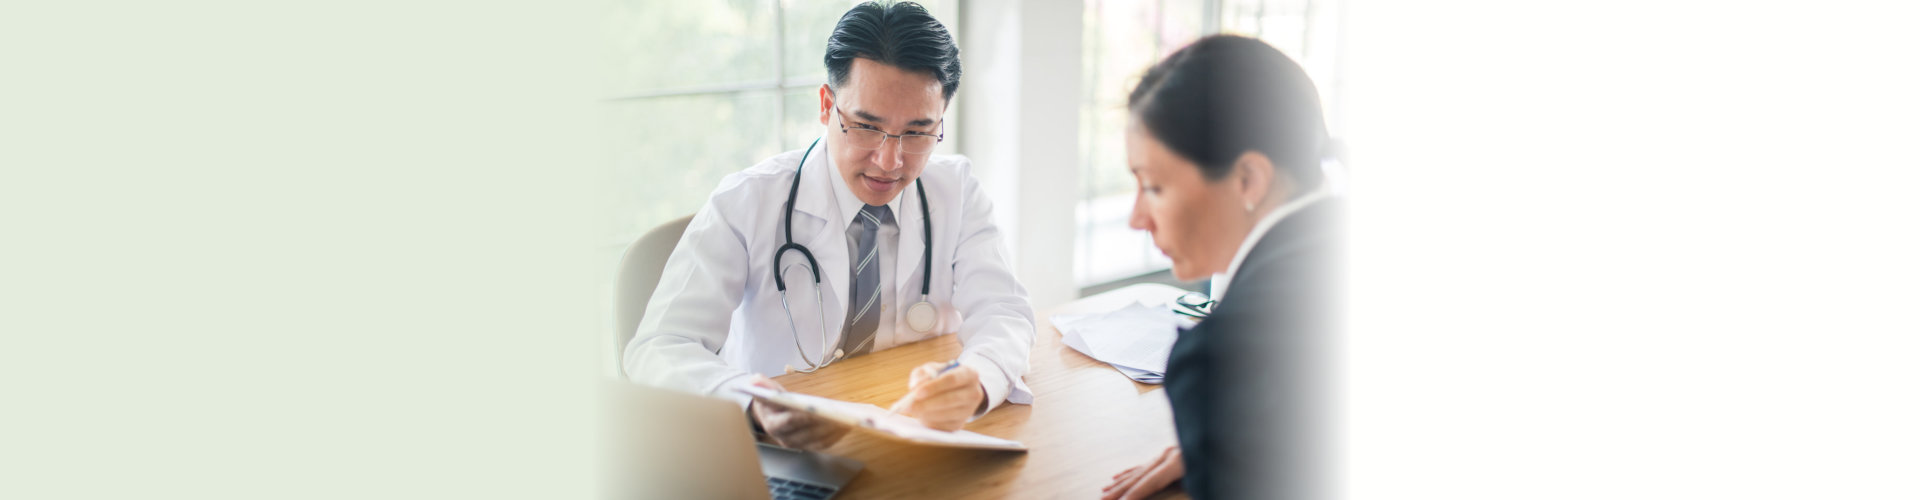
x=1222 y=281
x=849 y=204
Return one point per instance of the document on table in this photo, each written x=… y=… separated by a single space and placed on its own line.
x=1136 y=339
x=876 y=420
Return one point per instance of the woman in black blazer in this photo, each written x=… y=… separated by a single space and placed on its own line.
x=1225 y=141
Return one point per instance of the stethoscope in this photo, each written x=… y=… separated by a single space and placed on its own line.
x=920 y=317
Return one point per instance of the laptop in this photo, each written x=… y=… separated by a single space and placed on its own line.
x=669 y=444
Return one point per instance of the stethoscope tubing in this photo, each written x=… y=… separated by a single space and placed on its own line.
x=813 y=267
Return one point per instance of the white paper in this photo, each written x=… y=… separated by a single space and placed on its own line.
x=1072 y=339
x=1137 y=336
x=877 y=420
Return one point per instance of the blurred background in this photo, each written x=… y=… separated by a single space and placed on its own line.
x=705 y=89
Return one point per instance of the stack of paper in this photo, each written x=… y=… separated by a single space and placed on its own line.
x=1136 y=339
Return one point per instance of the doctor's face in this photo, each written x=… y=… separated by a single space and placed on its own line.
x=893 y=101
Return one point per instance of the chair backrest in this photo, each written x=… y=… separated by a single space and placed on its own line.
x=639 y=273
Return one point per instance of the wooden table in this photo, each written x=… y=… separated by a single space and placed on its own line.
x=1087 y=421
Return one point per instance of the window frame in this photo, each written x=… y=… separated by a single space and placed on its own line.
x=1093 y=208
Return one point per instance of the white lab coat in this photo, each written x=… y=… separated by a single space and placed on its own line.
x=716 y=317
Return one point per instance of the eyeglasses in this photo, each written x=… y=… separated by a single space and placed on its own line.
x=866 y=138
x=1194 y=304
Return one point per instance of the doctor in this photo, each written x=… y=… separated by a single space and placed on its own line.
x=861 y=241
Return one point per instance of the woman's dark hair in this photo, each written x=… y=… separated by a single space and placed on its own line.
x=1226 y=95
x=902 y=35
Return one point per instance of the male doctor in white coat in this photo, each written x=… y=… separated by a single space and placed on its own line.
x=717 y=321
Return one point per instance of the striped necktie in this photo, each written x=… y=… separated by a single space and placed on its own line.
x=863 y=305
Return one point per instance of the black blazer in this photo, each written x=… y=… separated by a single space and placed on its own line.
x=1248 y=384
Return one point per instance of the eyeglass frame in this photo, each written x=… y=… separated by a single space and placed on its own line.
x=899 y=139
x=1198 y=305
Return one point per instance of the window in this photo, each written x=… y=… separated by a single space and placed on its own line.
x=1122 y=39
x=704 y=89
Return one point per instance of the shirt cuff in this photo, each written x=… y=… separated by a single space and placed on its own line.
x=726 y=390
x=999 y=387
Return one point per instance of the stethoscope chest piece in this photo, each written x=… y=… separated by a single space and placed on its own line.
x=922 y=316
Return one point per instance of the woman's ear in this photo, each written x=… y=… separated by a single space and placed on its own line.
x=1254 y=172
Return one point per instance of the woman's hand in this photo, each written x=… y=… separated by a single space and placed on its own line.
x=1144 y=480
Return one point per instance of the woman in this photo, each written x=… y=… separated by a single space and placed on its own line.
x=1225 y=141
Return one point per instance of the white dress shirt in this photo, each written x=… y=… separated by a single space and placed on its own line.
x=888 y=246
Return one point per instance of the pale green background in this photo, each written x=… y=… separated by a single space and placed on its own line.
x=316 y=250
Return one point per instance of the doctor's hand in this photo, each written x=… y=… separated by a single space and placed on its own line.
x=942 y=401
x=1144 y=480
x=793 y=429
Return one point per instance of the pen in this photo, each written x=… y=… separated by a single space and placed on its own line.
x=943 y=371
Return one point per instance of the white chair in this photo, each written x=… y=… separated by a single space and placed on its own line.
x=640 y=272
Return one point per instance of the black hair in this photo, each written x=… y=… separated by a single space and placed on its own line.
x=1225 y=95
x=902 y=35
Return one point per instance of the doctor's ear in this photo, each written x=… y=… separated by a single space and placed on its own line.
x=826 y=103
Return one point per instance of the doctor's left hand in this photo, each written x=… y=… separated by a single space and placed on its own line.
x=942 y=401
x=794 y=429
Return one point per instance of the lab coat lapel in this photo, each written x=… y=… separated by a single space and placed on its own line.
x=906 y=262
x=828 y=243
